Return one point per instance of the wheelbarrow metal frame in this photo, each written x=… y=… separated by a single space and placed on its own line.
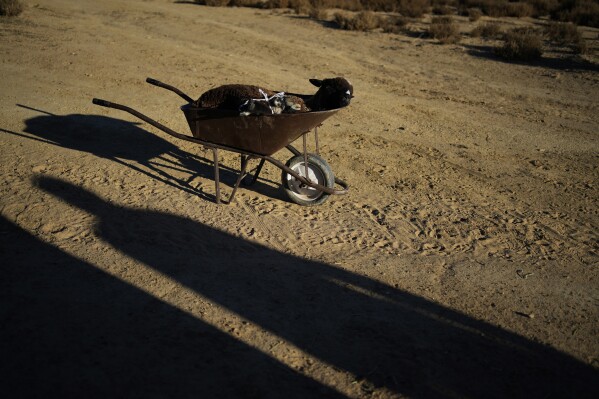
x=226 y=130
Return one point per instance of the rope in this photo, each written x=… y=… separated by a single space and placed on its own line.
x=281 y=95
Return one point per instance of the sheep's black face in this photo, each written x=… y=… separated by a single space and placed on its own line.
x=333 y=93
x=345 y=98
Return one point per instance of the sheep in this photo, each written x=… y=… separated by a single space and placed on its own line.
x=256 y=107
x=294 y=104
x=231 y=96
x=272 y=105
x=280 y=103
x=252 y=100
x=332 y=93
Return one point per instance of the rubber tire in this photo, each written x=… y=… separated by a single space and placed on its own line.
x=319 y=168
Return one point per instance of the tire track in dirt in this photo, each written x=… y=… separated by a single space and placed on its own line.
x=502 y=224
x=336 y=228
x=275 y=233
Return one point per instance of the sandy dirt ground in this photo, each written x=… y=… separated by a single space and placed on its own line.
x=462 y=263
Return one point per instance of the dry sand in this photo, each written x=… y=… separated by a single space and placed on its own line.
x=463 y=262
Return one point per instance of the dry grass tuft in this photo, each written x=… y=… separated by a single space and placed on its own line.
x=362 y=21
x=10 y=8
x=474 y=14
x=276 y=4
x=445 y=30
x=566 y=34
x=519 y=10
x=543 y=7
x=246 y=3
x=318 y=13
x=489 y=30
x=413 y=8
x=379 y=5
x=443 y=10
x=213 y=3
x=501 y=8
x=562 y=33
x=523 y=44
x=394 y=24
x=349 y=5
x=581 y=12
x=580 y=46
x=302 y=7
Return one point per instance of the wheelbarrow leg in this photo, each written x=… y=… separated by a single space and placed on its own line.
x=257 y=173
x=216 y=177
x=244 y=163
x=305 y=157
x=296 y=152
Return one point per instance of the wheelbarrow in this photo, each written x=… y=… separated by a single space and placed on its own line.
x=307 y=178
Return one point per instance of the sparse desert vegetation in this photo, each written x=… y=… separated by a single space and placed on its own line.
x=361 y=21
x=318 y=13
x=445 y=19
x=566 y=34
x=487 y=30
x=394 y=24
x=443 y=10
x=581 y=12
x=444 y=29
x=474 y=14
x=10 y=8
x=521 y=44
x=214 y=3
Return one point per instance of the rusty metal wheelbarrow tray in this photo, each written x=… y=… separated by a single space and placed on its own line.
x=254 y=137
x=264 y=135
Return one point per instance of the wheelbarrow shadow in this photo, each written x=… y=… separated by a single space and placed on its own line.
x=126 y=143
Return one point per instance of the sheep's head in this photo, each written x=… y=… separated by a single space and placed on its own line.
x=332 y=93
x=294 y=105
x=277 y=103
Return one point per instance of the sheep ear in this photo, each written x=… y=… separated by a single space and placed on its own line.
x=316 y=82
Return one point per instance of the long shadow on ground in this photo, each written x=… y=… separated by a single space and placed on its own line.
x=383 y=336
x=557 y=63
x=131 y=146
x=70 y=330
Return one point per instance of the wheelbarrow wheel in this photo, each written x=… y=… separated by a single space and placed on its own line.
x=319 y=172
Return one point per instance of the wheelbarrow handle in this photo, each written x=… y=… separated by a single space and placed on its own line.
x=103 y=103
x=158 y=83
x=144 y=118
x=153 y=82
